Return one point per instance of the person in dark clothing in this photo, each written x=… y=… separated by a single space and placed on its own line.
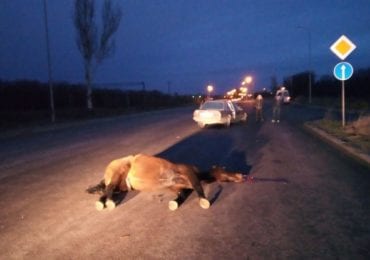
x=259 y=108
x=276 y=109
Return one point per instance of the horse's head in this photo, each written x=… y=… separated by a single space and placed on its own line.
x=220 y=174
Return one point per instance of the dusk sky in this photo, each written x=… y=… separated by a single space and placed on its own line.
x=190 y=43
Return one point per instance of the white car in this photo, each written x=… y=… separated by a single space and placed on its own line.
x=221 y=111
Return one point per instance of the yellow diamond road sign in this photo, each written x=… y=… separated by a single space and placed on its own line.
x=342 y=47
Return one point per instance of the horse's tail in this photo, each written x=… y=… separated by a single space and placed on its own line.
x=99 y=188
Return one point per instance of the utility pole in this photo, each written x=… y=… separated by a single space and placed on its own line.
x=309 y=67
x=144 y=93
x=169 y=87
x=309 y=62
x=52 y=109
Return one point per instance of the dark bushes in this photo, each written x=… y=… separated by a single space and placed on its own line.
x=25 y=101
x=33 y=95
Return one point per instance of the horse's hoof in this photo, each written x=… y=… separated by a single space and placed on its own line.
x=204 y=203
x=110 y=204
x=173 y=205
x=99 y=205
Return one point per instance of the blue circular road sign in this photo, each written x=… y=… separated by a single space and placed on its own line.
x=343 y=71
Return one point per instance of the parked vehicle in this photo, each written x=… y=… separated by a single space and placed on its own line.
x=284 y=93
x=221 y=111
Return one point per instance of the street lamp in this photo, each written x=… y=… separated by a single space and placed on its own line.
x=247 y=80
x=245 y=83
x=209 y=90
x=309 y=62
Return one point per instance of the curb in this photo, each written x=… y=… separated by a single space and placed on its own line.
x=350 y=151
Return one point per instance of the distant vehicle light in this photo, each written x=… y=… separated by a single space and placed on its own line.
x=284 y=93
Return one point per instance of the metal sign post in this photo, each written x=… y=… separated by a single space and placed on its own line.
x=343 y=105
x=343 y=70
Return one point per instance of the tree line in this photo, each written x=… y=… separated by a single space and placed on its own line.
x=358 y=86
x=34 y=95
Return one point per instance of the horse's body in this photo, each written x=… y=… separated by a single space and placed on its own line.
x=148 y=173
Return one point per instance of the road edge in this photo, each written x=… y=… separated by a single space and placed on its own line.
x=14 y=133
x=338 y=144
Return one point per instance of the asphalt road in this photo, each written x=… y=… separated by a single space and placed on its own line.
x=307 y=202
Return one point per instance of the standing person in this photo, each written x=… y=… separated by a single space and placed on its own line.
x=277 y=108
x=259 y=107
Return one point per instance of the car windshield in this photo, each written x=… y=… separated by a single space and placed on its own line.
x=213 y=105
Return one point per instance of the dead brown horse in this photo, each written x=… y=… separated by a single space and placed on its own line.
x=148 y=173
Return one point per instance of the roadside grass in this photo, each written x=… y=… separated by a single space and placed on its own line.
x=355 y=134
x=355 y=104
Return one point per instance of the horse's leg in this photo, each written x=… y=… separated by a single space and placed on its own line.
x=122 y=189
x=105 y=200
x=181 y=196
x=196 y=185
x=117 y=183
x=100 y=204
x=109 y=203
x=174 y=204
